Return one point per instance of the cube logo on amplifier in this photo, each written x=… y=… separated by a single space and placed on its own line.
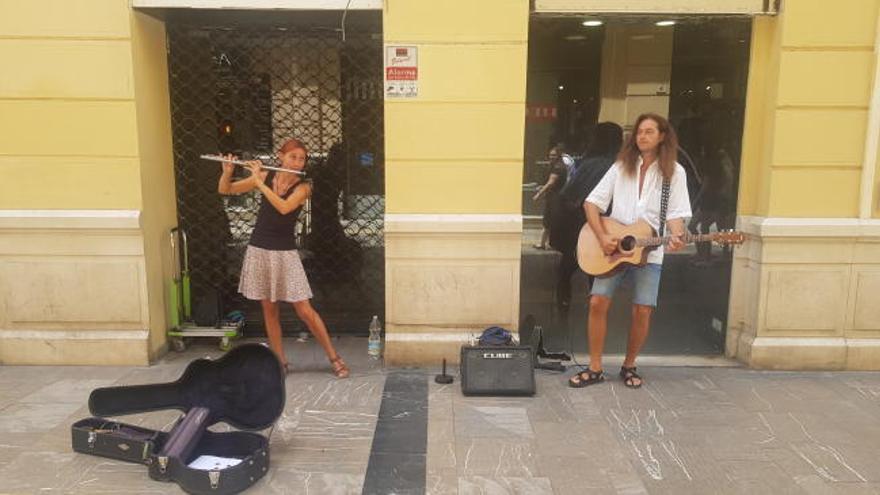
x=497 y=370
x=497 y=355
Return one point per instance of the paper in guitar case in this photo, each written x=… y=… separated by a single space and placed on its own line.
x=244 y=388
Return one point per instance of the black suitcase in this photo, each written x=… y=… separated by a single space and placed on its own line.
x=244 y=388
x=497 y=370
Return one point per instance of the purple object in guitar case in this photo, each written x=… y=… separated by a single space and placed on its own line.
x=244 y=388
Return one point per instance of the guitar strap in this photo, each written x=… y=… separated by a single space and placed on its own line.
x=664 y=202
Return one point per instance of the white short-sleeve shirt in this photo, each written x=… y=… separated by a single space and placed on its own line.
x=629 y=206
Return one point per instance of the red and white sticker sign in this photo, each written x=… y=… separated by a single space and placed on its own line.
x=541 y=112
x=401 y=71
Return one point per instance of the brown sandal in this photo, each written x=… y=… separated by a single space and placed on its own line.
x=339 y=367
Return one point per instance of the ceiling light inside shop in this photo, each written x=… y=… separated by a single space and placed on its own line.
x=665 y=23
x=592 y=23
x=575 y=37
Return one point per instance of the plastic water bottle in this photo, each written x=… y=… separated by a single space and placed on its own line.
x=374 y=344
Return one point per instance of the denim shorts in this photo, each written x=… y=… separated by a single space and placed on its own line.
x=646 y=278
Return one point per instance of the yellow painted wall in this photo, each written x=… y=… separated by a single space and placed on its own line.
x=67 y=99
x=65 y=19
x=156 y=165
x=86 y=122
x=807 y=109
x=759 y=115
x=458 y=147
x=875 y=188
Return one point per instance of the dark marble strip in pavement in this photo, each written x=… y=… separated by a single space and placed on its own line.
x=399 y=452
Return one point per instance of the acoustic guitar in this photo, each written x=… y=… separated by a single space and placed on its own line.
x=634 y=242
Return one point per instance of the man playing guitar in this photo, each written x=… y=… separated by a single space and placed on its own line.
x=635 y=183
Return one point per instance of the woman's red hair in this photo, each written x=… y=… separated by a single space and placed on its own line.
x=293 y=144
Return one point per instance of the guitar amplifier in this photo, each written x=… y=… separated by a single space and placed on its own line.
x=497 y=370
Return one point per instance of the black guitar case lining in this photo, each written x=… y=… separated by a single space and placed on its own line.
x=244 y=388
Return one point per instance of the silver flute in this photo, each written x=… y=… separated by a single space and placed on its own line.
x=220 y=158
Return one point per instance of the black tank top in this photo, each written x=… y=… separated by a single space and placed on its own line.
x=273 y=230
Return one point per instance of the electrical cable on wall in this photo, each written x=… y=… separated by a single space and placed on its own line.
x=344 y=14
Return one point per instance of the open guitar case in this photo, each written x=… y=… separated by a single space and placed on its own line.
x=244 y=389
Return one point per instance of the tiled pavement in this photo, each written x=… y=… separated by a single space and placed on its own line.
x=689 y=430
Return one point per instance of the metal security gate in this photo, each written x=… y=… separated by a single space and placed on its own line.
x=242 y=83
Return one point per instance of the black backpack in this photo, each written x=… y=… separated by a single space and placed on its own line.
x=496 y=336
x=208 y=309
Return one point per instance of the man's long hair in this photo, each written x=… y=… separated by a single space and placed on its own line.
x=667 y=150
